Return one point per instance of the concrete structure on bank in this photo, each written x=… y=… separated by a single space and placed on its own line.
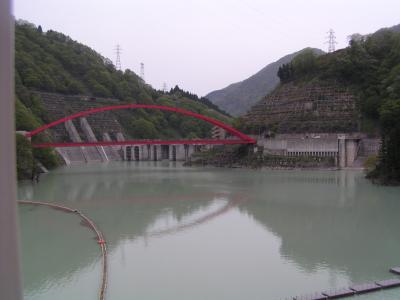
x=348 y=150
x=158 y=152
x=78 y=155
x=218 y=133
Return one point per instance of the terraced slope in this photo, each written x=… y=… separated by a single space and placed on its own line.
x=304 y=108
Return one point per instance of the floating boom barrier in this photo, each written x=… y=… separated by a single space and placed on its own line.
x=86 y=221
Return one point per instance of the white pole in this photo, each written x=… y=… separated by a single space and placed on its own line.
x=10 y=284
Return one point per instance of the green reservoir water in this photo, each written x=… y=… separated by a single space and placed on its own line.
x=177 y=233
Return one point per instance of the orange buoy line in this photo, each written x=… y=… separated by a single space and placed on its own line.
x=100 y=238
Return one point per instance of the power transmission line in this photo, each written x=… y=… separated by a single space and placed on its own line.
x=331 y=40
x=118 y=51
x=142 y=71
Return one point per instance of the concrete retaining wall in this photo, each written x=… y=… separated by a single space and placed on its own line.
x=158 y=152
x=346 y=148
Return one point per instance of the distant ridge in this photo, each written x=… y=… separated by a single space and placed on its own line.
x=395 y=28
x=239 y=97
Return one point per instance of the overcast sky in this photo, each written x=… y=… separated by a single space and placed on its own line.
x=203 y=45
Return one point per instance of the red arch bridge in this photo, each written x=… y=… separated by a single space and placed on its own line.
x=240 y=138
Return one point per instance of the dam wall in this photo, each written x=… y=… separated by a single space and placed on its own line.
x=348 y=150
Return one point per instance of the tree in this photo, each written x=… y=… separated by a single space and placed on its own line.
x=304 y=63
x=25 y=162
x=390 y=154
x=285 y=72
x=24 y=118
x=142 y=129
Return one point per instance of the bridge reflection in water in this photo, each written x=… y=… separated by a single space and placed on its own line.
x=318 y=223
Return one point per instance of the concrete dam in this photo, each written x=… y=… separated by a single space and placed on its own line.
x=349 y=150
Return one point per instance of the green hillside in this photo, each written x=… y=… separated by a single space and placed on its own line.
x=53 y=62
x=369 y=69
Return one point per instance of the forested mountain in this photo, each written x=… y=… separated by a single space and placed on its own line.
x=179 y=92
x=395 y=28
x=370 y=69
x=238 y=97
x=53 y=62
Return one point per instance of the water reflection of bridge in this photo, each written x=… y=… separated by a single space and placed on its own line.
x=136 y=219
x=361 y=219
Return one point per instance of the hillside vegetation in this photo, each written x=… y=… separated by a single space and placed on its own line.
x=370 y=67
x=53 y=62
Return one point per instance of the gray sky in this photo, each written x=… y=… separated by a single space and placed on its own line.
x=203 y=45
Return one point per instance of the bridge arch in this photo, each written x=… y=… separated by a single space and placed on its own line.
x=243 y=137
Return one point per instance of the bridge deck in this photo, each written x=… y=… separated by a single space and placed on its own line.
x=145 y=142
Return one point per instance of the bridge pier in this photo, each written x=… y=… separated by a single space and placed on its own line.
x=148 y=152
x=142 y=152
x=123 y=152
x=165 y=152
x=172 y=153
x=128 y=153
x=136 y=153
x=187 y=152
x=347 y=150
x=158 y=152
